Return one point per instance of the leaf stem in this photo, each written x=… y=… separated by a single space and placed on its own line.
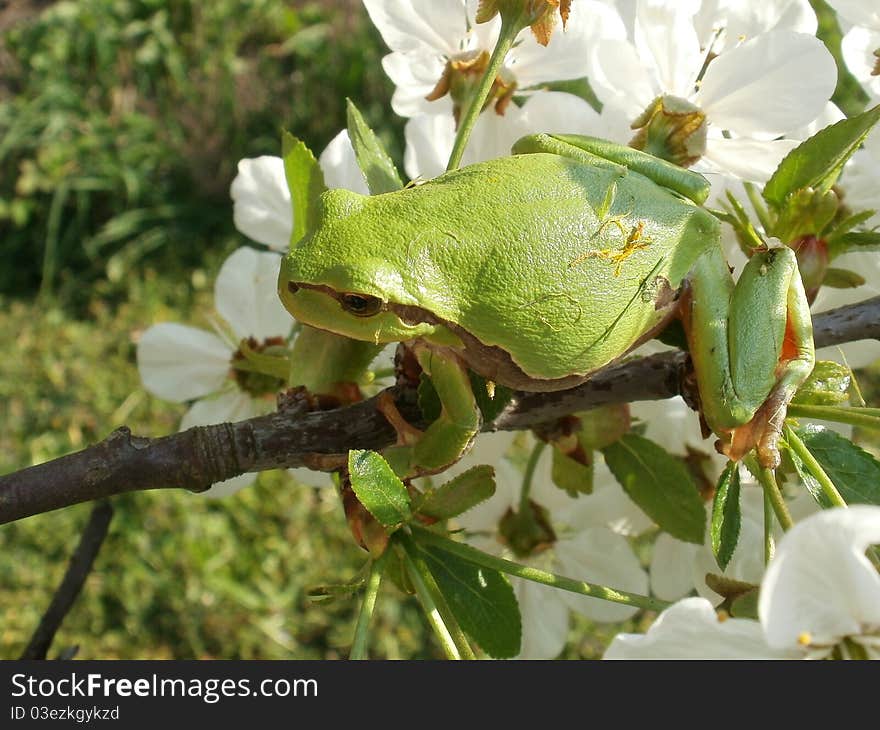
x=772 y=493
x=449 y=633
x=814 y=467
x=360 y=643
x=478 y=557
x=769 y=547
x=528 y=476
x=864 y=417
x=509 y=30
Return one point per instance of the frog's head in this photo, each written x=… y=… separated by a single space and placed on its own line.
x=335 y=279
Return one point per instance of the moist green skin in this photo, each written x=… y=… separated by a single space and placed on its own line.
x=490 y=249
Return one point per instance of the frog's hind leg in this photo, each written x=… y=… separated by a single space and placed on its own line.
x=751 y=345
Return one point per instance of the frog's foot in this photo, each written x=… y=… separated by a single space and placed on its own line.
x=407 y=434
x=762 y=433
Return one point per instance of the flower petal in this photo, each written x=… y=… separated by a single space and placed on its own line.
x=429 y=140
x=227 y=407
x=858 y=48
x=672 y=571
x=675 y=65
x=754 y=160
x=246 y=294
x=820 y=584
x=340 y=167
x=597 y=555
x=544 y=620
x=622 y=81
x=261 y=202
x=179 y=363
x=769 y=85
x=563 y=58
x=690 y=629
x=420 y=25
x=858 y=12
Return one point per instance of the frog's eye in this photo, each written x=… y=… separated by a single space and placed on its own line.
x=360 y=305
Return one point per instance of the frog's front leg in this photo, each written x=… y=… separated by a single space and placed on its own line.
x=751 y=345
x=450 y=436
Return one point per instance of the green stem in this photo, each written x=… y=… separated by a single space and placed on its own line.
x=509 y=31
x=768 y=529
x=478 y=557
x=360 y=643
x=440 y=616
x=528 y=477
x=864 y=417
x=814 y=467
x=767 y=478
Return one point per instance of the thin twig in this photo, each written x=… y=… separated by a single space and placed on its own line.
x=77 y=571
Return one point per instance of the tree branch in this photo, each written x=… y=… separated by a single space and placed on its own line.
x=77 y=571
x=196 y=458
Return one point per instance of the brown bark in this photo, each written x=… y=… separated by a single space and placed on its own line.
x=196 y=458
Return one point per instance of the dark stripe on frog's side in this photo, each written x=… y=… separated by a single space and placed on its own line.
x=496 y=364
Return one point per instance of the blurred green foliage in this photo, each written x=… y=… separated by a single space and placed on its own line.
x=121 y=123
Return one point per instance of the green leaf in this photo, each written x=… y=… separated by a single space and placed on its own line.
x=726 y=516
x=481 y=599
x=378 y=488
x=379 y=171
x=817 y=162
x=660 y=484
x=854 y=472
x=305 y=181
x=459 y=494
x=828 y=385
x=842 y=278
x=570 y=475
x=855 y=241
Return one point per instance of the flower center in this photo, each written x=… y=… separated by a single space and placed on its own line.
x=527 y=532
x=253 y=382
x=673 y=129
x=461 y=77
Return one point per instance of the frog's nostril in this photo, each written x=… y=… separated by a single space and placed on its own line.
x=292 y=288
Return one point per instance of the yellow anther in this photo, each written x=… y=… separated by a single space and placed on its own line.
x=805 y=638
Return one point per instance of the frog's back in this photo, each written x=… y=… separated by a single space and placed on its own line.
x=520 y=253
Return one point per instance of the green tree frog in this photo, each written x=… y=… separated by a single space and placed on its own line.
x=538 y=269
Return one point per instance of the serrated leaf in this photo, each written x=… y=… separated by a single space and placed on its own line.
x=842 y=278
x=660 y=484
x=828 y=385
x=817 y=162
x=378 y=488
x=854 y=472
x=726 y=516
x=379 y=171
x=459 y=494
x=305 y=182
x=570 y=475
x=482 y=600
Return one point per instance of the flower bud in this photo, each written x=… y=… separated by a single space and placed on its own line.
x=673 y=129
x=812 y=258
x=540 y=15
x=528 y=532
x=462 y=76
